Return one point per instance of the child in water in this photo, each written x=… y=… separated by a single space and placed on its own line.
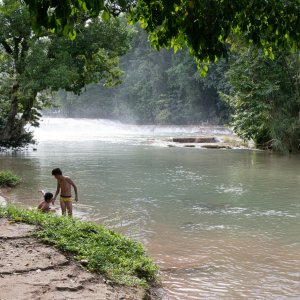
x=64 y=185
x=44 y=206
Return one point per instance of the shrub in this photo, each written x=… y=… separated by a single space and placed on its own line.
x=7 y=178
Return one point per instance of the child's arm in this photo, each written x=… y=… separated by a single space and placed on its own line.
x=74 y=186
x=56 y=193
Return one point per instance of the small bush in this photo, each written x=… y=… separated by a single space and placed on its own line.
x=7 y=178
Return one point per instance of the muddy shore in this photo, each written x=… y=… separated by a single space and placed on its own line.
x=30 y=269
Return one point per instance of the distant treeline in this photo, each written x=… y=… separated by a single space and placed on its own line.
x=159 y=87
x=258 y=95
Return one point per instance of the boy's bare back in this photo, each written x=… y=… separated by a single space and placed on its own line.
x=44 y=206
x=65 y=183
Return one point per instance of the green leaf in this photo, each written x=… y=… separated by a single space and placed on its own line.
x=105 y=16
x=72 y=34
x=202 y=73
x=66 y=29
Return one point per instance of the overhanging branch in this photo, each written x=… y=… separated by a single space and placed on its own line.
x=6 y=47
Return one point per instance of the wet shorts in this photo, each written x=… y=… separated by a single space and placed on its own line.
x=66 y=199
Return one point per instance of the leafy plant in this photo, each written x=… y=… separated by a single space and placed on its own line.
x=7 y=178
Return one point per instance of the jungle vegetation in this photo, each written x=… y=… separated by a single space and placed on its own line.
x=251 y=82
x=157 y=88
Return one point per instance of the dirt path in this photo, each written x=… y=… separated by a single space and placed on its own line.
x=32 y=270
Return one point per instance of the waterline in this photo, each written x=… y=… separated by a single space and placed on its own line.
x=221 y=224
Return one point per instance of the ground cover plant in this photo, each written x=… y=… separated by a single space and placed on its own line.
x=103 y=251
x=8 y=178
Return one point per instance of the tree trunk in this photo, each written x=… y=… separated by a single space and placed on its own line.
x=11 y=118
x=13 y=133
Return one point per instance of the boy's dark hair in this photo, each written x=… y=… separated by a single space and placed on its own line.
x=56 y=171
x=48 y=196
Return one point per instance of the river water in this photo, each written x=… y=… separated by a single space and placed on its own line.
x=221 y=224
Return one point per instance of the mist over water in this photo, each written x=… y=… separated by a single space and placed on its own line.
x=69 y=129
x=221 y=224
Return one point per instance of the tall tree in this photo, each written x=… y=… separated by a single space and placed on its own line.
x=265 y=98
x=31 y=65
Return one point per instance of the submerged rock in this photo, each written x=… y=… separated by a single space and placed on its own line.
x=195 y=140
x=215 y=146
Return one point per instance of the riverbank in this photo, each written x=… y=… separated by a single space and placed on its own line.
x=31 y=267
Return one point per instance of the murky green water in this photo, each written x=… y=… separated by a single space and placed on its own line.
x=222 y=224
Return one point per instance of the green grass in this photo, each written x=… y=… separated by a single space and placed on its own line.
x=7 y=178
x=113 y=255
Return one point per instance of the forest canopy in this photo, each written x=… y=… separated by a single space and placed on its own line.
x=203 y=25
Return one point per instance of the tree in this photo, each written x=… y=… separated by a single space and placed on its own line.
x=158 y=88
x=203 y=25
x=31 y=66
x=65 y=15
x=265 y=98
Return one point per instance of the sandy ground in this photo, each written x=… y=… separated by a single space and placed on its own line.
x=32 y=270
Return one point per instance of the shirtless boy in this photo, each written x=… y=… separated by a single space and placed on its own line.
x=64 y=184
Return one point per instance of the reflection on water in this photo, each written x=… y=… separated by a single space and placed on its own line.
x=221 y=224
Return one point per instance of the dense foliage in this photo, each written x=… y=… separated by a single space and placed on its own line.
x=158 y=88
x=64 y=15
x=203 y=25
x=265 y=98
x=117 y=257
x=8 y=178
x=32 y=66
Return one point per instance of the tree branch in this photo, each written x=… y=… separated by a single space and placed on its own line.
x=24 y=48
x=17 y=41
x=6 y=47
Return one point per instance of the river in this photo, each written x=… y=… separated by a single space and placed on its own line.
x=221 y=224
